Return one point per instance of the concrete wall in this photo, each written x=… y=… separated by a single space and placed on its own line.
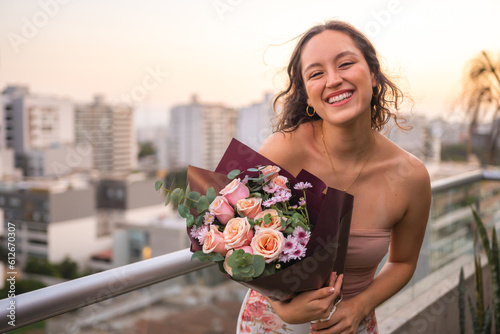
x=75 y=238
x=434 y=310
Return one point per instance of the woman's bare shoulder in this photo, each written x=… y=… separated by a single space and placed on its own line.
x=287 y=148
x=407 y=166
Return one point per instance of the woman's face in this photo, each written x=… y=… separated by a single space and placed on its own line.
x=337 y=79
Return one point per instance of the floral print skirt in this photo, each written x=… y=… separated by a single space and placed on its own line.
x=257 y=316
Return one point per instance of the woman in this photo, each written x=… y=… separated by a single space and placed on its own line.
x=335 y=105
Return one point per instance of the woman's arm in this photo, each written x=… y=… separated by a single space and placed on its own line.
x=406 y=240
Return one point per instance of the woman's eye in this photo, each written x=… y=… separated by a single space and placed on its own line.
x=315 y=74
x=347 y=63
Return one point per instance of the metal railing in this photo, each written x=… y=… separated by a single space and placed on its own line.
x=61 y=298
x=54 y=300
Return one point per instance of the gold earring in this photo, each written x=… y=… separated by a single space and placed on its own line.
x=307 y=111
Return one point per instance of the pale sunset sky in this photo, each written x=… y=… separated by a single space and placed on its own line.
x=229 y=51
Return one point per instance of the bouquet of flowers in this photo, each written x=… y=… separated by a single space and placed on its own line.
x=266 y=229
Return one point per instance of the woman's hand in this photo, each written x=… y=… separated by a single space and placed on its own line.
x=345 y=320
x=310 y=305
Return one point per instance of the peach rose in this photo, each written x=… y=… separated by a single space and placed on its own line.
x=221 y=209
x=280 y=182
x=249 y=207
x=214 y=242
x=238 y=233
x=275 y=223
x=268 y=243
x=235 y=191
x=227 y=268
x=270 y=172
x=271 y=321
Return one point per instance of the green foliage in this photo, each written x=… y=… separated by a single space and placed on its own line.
x=146 y=148
x=232 y=174
x=22 y=286
x=67 y=269
x=461 y=301
x=456 y=152
x=213 y=257
x=246 y=266
x=39 y=266
x=482 y=320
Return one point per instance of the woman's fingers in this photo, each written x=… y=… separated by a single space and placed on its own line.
x=333 y=278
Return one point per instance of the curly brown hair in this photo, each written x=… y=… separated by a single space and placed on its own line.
x=386 y=96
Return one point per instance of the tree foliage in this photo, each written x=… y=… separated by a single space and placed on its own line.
x=481 y=98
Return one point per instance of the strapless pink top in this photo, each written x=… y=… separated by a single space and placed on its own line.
x=367 y=247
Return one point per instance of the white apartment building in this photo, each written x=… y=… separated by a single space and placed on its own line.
x=33 y=124
x=198 y=134
x=7 y=162
x=53 y=219
x=255 y=122
x=109 y=131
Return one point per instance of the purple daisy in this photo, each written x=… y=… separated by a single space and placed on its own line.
x=268 y=203
x=298 y=253
x=208 y=218
x=301 y=234
x=302 y=186
x=199 y=233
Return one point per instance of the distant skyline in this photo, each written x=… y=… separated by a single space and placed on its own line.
x=160 y=53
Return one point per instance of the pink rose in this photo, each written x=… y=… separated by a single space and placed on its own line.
x=235 y=191
x=268 y=243
x=221 y=209
x=270 y=172
x=275 y=223
x=270 y=321
x=226 y=266
x=249 y=207
x=238 y=233
x=214 y=242
x=280 y=182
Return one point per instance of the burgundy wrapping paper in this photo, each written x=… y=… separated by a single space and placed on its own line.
x=330 y=214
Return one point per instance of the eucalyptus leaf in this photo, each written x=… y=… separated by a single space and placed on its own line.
x=232 y=174
x=167 y=198
x=192 y=199
x=211 y=194
x=158 y=185
x=203 y=204
x=177 y=195
x=190 y=220
x=199 y=220
x=183 y=210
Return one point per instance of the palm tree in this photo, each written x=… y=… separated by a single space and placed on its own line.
x=481 y=98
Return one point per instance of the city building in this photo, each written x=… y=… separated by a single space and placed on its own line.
x=35 y=123
x=7 y=160
x=130 y=212
x=255 y=122
x=199 y=133
x=109 y=131
x=53 y=219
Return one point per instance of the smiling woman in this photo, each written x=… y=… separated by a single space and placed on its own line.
x=334 y=106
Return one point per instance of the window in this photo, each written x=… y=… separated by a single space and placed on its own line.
x=14 y=201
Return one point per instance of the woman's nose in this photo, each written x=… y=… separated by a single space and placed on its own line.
x=333 y=79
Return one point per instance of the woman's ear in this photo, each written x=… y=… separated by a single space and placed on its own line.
x=374 y=80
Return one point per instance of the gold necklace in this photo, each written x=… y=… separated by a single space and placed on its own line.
x=333 y=168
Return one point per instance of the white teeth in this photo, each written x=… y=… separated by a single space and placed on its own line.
x=339 y=97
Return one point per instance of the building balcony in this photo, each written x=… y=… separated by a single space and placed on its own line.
x=171 y=291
